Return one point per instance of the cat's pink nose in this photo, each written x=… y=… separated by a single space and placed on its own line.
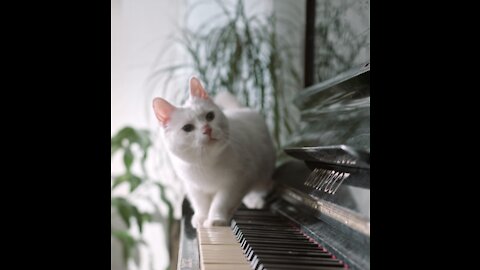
x=207 y=130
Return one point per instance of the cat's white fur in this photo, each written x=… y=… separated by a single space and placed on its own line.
x=234 y=163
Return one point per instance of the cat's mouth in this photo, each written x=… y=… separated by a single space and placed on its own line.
x=209 y=141
x=212 y=140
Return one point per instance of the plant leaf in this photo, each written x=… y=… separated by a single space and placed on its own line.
x=115 y=146
x=118 y=180
x=138 y=216
x=128 y=159
x=134 y=181
x=124 y=209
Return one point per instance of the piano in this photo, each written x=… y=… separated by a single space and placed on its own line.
x=318 y=215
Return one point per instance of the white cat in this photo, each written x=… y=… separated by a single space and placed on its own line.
x=222 y=157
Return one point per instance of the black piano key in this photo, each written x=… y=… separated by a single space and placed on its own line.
x=271 y=236
x=270 y=227
x=280 y=247
x=284 y=230
x=278 y=242
x=268 y=232
x=256 y=233
x=298 y=259
x=255 y=248
x=272 y=266
x=285 y=252
x=279 y=230
x=264 y=224
x=305 y=261
x=250 y=253
x=284 y=239
x=260 y=221
x=268 y=247
x=303 y=243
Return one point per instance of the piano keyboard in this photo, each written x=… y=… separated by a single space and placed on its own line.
x=261 y=240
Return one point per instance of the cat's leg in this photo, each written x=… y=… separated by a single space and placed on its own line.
x=223 y=205
x=200 y=203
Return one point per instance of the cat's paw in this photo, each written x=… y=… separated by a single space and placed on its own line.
x=253 y=201
x=197 y=221
x=215 y=223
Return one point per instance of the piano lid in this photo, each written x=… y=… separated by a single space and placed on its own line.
x=335 y=112
x=338 y=155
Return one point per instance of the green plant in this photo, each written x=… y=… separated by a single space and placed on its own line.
x=245 y=55
x=126 y=141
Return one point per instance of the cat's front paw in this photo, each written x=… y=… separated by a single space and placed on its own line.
x=197 y=221
x=215 y=223
x=254 y=201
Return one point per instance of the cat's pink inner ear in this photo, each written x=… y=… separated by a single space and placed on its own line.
x=196 y=89
x=163 y=110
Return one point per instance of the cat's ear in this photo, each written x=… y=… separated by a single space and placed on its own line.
x=196 y=89
x=163 y=110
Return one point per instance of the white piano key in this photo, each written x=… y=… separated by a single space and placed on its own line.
x=219 y=249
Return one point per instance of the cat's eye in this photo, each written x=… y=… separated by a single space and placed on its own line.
x=210 y=116
x=188 y=127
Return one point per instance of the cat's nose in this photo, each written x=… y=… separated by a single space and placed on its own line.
x=207 y=130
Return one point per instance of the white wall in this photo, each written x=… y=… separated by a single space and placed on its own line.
x=140 y=29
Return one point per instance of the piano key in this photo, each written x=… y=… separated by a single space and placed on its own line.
x=243 y=237
x=256 y=264
x=243 y=233
x=239 y=237
x=220 y=250
x=216 y=235
x=252 y=250
x=279 y=242
x=297 y=261
x=259 y=222
x=298 y=243
x=283 y=230
x=225 y=266
x=291 y=254
x=294 y=252
x=272 y=266
x=222 y=254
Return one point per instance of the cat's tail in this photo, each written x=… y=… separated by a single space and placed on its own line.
x=226 y=100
